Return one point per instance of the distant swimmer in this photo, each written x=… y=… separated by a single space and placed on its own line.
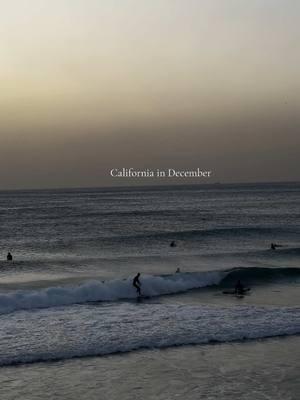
x=177 y=270
x=9 y=257
x=239 y=287
x=173 y=244
x=274 y=245
x=137 y=284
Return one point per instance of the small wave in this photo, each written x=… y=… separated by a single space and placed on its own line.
x=215 y=232
x=195 y=234
x=95 y=331
x=254 y=275
x=262 y=253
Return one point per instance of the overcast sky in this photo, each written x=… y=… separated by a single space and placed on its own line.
x=87 y=86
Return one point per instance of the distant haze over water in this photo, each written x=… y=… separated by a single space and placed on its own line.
x=91 y=86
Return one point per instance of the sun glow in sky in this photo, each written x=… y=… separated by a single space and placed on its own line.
x=87 y=86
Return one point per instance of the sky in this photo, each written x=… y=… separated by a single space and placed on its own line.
x=88 y=86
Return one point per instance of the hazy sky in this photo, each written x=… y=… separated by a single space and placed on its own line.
x=90 y=85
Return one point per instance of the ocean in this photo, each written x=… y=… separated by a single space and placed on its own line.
x=72 y=325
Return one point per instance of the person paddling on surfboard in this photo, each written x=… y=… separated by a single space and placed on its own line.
x=239 y=287
x=137 y=284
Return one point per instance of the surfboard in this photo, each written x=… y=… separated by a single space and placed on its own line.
x=142 y=297
x=234 y=292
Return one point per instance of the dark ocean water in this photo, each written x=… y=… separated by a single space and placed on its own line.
x=68 y=293
x=90 y=230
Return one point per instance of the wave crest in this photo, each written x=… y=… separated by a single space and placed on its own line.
x=113 y=290
x=93 y=331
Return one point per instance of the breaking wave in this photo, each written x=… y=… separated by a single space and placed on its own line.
x=123 y=327
x=114 y=290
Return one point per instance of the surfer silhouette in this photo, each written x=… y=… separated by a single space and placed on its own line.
x=274 y=245
x=173 y=244
x=9 y=257
x=239 y=287
x=137 y=284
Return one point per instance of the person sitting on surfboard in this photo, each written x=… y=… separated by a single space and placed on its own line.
x=9 y=257
x=137 y=284
x=274 y=245
x=239 y=287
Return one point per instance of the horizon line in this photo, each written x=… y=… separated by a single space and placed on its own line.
x=149 y=186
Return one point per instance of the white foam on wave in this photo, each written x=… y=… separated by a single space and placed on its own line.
x=86 y=330
x=106 y=291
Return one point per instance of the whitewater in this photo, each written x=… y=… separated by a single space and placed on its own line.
x=152 y=286
x=87 y=330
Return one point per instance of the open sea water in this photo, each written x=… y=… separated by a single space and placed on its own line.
x=68 y=307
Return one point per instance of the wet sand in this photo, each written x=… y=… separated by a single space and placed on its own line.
x=264 y=369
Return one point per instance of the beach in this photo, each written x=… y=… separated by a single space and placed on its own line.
x=267 y=369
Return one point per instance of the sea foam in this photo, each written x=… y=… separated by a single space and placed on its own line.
x=152 y=285
x=112 y=290
x=86 y=330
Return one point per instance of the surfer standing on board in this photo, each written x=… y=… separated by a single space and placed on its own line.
x=137 y=284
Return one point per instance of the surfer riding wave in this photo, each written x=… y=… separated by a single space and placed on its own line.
x=137 y=284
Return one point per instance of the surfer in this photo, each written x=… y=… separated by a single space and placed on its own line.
x=239 y=287
x=9 y=257
x=177 y=270
x=137 y=284
x=274 y=245
x=173 y=244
